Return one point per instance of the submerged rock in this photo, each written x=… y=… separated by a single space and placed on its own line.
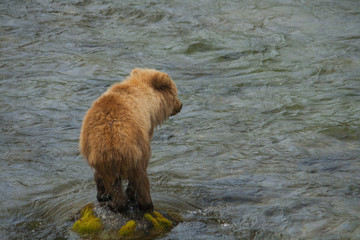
x=97 y=221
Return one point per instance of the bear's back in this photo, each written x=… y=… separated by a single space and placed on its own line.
x=114 y=131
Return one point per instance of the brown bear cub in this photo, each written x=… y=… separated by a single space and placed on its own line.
x=116 y=133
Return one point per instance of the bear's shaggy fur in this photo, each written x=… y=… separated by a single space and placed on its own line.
x=116 y=133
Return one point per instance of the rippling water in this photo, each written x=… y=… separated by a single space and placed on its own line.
x=267 y=144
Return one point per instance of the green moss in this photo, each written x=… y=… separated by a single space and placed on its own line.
x=88 y=211
x=150 y=226
x=160 y=223
x=164 y=222
x=150 y=218
x=128 y=230
x=175 y=217
x=88 y=224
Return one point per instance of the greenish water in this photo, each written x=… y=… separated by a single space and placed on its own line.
x=267 y=145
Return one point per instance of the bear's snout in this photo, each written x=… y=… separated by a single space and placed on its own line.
x=177 y=108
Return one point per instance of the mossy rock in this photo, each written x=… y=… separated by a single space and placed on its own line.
x=128 y=230
x=88 y=224
x=98 y=222
x=160 y=223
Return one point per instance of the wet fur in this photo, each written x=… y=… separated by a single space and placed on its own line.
x=116 y=133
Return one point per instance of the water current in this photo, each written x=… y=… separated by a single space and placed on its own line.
x=267 y=145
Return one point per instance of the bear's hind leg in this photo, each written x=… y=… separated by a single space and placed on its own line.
x=130 y=191
x=119 y=202
x=102 y=194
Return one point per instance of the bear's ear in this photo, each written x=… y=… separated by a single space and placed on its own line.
x=161 y=82
x=135 y=71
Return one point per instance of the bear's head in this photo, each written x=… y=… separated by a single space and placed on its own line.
x=161 y=83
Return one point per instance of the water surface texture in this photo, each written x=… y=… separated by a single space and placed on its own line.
x=267 y=145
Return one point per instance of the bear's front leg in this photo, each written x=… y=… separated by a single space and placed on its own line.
x=143 y=192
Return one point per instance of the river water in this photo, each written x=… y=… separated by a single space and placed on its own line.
x=267 y=145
